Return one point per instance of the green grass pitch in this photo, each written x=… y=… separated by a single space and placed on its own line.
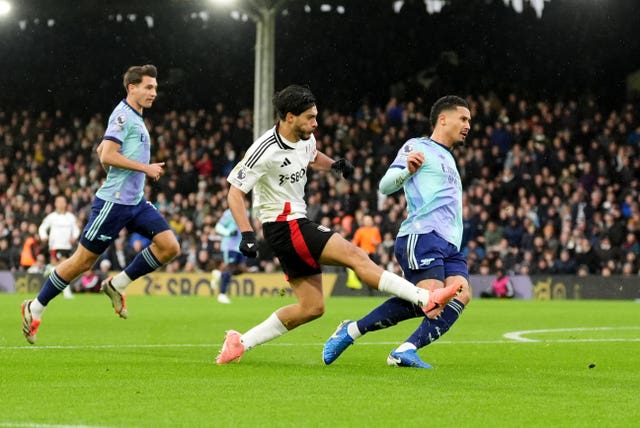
x=157 y=368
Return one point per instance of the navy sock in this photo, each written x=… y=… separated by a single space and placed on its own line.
x=144 y=263
x=51 y=288
x=225 y=280
x=431 y=330
x=387 y=314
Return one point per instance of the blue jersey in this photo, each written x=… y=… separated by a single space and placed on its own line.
x=434 y=192
x=228 y=229
x=126 y=127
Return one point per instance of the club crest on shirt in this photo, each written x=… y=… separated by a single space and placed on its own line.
x=408 y=148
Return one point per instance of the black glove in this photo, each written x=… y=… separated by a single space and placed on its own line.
x=249 y=245
x=342 y=166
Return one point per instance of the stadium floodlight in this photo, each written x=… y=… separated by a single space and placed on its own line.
x=223 y=2
x=518 y=5
x=263 y=14
x=5 y=8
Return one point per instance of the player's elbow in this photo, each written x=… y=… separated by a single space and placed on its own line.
x=104 y=158
x=387 y=188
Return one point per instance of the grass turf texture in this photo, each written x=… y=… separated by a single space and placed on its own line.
x=157 y=368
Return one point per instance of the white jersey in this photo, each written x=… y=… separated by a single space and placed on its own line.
x=276 y=170
x=59 y=229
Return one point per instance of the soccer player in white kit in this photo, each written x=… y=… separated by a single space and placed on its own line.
x=60 y=231
x=275 y=169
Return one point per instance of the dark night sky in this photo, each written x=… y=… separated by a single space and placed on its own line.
x=578 y=47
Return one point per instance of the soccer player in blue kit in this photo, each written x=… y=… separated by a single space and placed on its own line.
x=234 y=260
x=119 y=203
x=428 y=242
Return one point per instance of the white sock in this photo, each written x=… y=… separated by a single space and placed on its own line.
x=120 y=282
x=405 y=347
x=353 y=330
x=36 y=308
x=392 y=283
x=267 y=330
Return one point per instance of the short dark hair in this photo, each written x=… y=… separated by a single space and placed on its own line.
x=135 y=73
x=448 y=102
x=293 y=99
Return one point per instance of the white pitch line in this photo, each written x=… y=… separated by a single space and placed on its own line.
x=517 y=335
x=37 y=425
x=512 y=336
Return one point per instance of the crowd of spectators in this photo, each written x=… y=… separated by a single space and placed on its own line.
x=549 y=187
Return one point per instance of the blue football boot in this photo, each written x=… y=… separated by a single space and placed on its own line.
x=337 y=343
x=407 y=358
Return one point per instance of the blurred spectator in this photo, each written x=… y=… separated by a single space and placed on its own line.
x=119 y=255
x=587 y=256
x=367 y=237
x=631 y=244
x=513 y=231
x=40 y=265
x=565 y=265
x=492 y=236
x=104 y=269
x=473 y=248
x=30 y=248
x=89 y=282
x=606 y=252
x=583 y=270
x=501 y=286
x=5 y=255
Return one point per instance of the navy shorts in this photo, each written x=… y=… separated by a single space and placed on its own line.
x=429 y=256
x=108 y=219
x=234 y=257
x=298 y=244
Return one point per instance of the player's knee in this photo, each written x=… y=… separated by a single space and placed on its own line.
x=80 y=261
x=359 y=258
x=171 y=251
x=314 y=311
x=86 y=264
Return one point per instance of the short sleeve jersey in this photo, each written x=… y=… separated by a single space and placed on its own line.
x=276 y=171
x=434 y=193
x=127 y=128
x=60 y=229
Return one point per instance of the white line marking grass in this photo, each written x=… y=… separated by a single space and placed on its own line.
x=35 y=425
x=511 y=337
x=518 y=335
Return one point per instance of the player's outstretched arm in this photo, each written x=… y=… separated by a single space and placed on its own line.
x=341 y=166
x=322 y=162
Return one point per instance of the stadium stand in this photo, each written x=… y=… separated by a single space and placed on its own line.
x=541 y=179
